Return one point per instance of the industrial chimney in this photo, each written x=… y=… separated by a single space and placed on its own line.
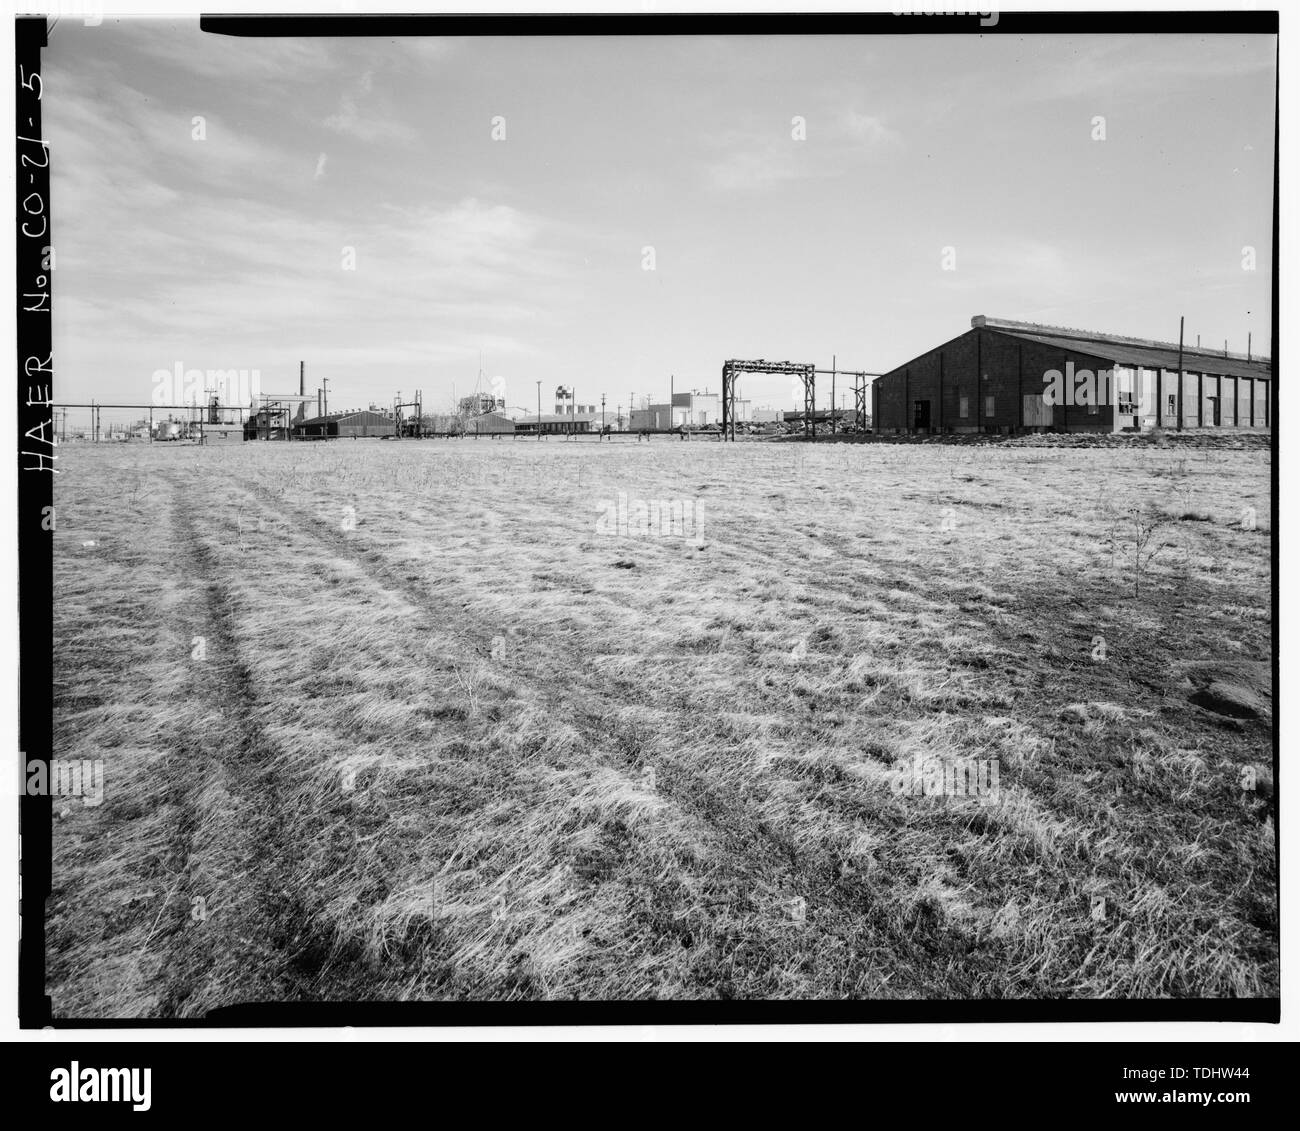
x=302 y=378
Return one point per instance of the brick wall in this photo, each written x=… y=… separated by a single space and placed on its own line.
x=979 y=365
x=983 y=363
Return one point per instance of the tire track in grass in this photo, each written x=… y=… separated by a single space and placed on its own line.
x=752 y=870
x=248 y=938
x=556 y=810
x=116 y=699
x=475 y=640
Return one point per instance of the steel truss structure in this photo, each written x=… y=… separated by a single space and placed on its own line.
x=732 y=369
x=860 y=389
x=275 y=413
x=414 y=427
x=278 y=417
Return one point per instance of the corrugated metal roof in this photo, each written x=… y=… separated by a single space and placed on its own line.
x=1150 y=357
x=555 y=418
x=339 y=417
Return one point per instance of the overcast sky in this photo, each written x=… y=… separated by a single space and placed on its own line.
x=228 y=252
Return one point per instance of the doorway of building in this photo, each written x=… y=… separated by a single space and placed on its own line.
x=1037 y=412
x=921 y=416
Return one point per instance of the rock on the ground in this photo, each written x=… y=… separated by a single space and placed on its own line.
x=1231 y=699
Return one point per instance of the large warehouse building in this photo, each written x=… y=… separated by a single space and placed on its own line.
x=361 y=422
x=1005 y=376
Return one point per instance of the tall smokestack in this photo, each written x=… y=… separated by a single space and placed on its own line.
x=302 y=378
x=319 y=411
x=1247 y=347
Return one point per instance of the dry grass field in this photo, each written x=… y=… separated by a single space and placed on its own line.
x=413 y=720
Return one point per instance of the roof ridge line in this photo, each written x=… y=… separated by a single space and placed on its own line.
x=994 y=323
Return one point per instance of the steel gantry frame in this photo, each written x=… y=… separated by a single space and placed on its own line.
x=731 y=371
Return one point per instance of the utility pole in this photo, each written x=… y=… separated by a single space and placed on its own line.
x=325 y=420
x=602 y=414
x=1180 y=373
x=539 y=410
x=832 y=394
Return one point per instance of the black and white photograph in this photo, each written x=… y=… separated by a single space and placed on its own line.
x=706 y=516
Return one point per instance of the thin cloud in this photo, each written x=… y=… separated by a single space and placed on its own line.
x=867 y=128
x=835 y=143
x=374 y=125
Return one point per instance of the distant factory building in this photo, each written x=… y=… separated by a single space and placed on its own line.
x=653 y=417
x=687 y=410
x=700 y=409
x=1006 y=376
x=557 y=423
x=356 y=424
x=489 y=424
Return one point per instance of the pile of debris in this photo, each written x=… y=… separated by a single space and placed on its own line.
x=1195 y=439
